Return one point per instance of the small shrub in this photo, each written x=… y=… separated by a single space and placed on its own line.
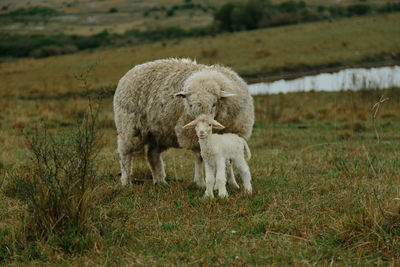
x=58 y=184
x=113 y=10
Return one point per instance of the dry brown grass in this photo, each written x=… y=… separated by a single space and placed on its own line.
x=313 y=197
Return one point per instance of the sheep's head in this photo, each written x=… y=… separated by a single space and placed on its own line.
x=202 y=93
x=203 y=125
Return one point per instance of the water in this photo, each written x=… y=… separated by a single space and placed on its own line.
x=348 y=79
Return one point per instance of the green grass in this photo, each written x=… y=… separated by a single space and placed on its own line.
x=317 y=198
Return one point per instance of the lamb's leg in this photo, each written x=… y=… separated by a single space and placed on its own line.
x=245 y=173
x=221 y=178
x=153 y=156
x=198 y=170
x=210 y=180
x=230 y=175
x=125 y=161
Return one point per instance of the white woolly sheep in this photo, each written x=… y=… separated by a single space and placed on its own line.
x=216 y=150
x=155 y=99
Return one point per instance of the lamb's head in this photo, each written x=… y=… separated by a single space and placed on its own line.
x=202 y=92
x=203 y=125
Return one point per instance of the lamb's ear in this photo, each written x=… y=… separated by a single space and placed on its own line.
x=226 y=94
x=217 y=125
x=181 y=94
x=191 y=124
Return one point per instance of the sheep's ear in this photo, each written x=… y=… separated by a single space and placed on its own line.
x=226 y=94
x=191 y=124
x=181 y=94
x=217 y=125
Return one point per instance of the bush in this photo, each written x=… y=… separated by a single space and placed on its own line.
x=358 y=10
x=389 y=7
x=53 y=50
x=58 y=184
x=32 y=11
x=223 y=16
x=291 y=6
x=113 y=10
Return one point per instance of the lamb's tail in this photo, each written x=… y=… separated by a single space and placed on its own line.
x=247 y=149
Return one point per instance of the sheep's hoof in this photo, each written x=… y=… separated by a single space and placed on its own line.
x=162 y=182
x=234 y=185
x=200 y=185
x=208 y=196
x=223 y=194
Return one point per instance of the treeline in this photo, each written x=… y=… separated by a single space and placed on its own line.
x=35 y=45
x=255 y=14
x=252 y=14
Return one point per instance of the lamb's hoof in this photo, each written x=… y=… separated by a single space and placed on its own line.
x=125 y=181
x=249 y=190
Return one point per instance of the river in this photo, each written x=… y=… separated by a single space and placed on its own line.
x=347 y=79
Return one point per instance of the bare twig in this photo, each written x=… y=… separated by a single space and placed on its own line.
x=374 y=111
x=377 y=192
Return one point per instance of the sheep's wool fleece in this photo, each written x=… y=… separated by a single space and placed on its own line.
x=146 y=110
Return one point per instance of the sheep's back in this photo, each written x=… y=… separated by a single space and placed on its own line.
x=145 y=95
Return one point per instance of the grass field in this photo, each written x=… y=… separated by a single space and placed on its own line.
x=325 y=191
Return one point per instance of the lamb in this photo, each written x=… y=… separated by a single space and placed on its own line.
x=155 y=99
x=216 y=149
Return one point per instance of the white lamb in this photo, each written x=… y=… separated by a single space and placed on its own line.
x=216 y=150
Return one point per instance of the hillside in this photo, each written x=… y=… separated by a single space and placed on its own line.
x=85 y=17
x=256 y=55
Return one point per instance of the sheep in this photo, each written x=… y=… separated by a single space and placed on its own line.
x=216 y=149
x=155 y=99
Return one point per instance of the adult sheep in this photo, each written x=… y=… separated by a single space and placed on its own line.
x=154 y=100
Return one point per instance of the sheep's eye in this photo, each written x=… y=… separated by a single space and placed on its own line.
x=209 y=125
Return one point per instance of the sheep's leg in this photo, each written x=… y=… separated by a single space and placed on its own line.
x=230 y=175
x=210 y=180
x=198 y=170
x=245 y=173
x=125 y=160
x=221 y=178
x=153 y=156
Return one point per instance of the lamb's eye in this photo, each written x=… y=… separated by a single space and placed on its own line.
x=209 y=125
x=190 y=105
